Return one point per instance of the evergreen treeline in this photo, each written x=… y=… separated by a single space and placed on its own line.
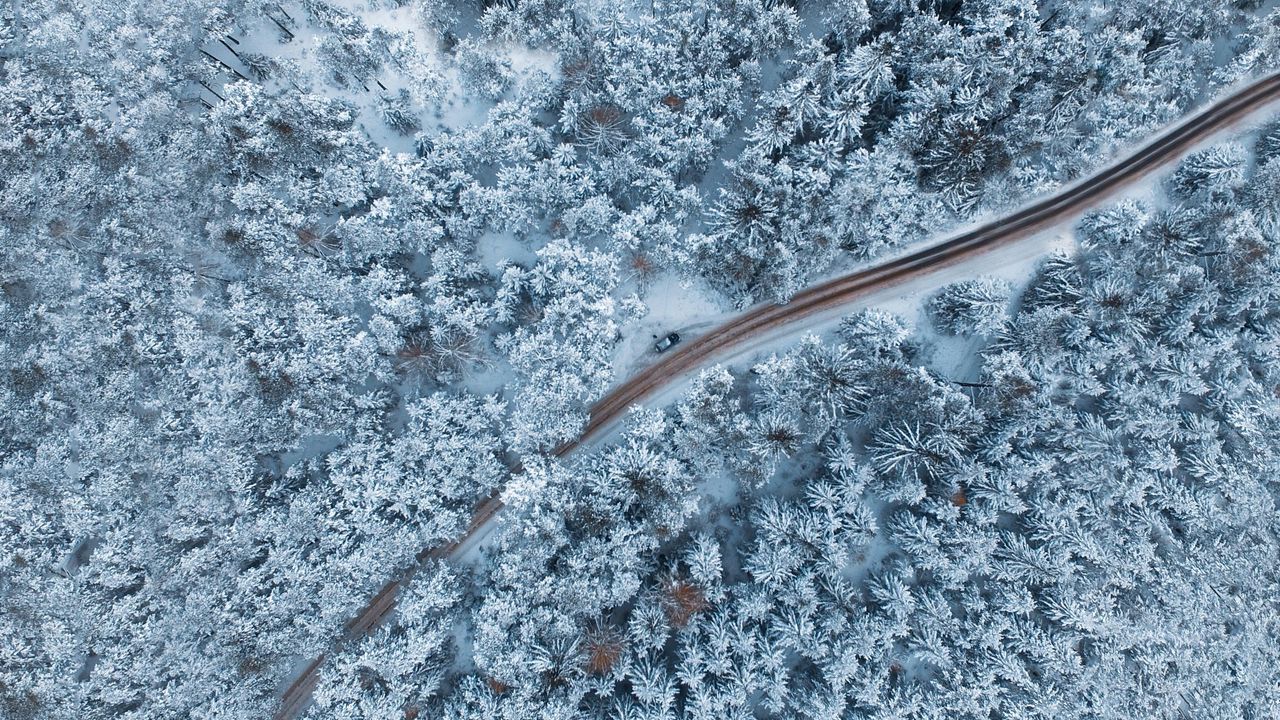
x=241 y=339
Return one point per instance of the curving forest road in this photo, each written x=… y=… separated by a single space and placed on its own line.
x=833 y=294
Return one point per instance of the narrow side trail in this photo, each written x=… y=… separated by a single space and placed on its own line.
x=767 y=321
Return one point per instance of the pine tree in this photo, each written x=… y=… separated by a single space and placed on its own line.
x=970 y=307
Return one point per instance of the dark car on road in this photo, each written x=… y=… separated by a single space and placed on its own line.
x=665 y=343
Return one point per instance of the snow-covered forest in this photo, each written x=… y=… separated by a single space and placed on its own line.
x=288 y=289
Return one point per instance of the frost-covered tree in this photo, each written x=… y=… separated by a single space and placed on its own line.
x=1210 y=171
x=400 y=666
x=970 y=307
x=397 y=112
x=564 y=323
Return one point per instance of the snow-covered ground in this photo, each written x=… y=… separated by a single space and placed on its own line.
x=416 y=63
x=496 y=248
x=674 y=305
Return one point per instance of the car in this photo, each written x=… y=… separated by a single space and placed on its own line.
x=665 y=343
